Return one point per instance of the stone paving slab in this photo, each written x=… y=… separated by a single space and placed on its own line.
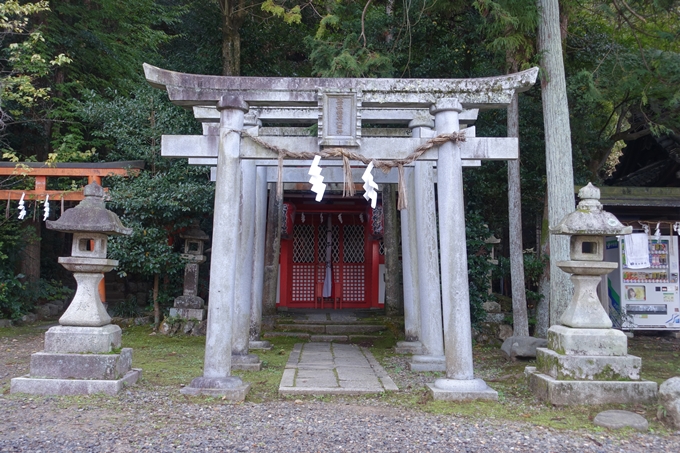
x=333 y=369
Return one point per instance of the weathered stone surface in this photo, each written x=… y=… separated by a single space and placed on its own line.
x=472 y=92
x=311 y=328
x=353 y=328
x=201 y=328
x=621 y=419
x=669 y=400
x=495 y=317
x=73 y=386
x=259 y=345
x=589 y=218
x=86 y=308
x=90 y=215
x=461 y=390
x=491 y=307
x=43 y=311
x=585 y=309
x=246 y=362
x=189 y=302
x=5 y=323
x=329 y=338
x=230 y=387
x=568 y=341
x=81 y=366
x=420 y=363
x=505 y=332
x=188 y=313
x=590 y=368
x=408 y=347
x=71 y=339
x=524 y=347
x=571 y=393
x=304 y=336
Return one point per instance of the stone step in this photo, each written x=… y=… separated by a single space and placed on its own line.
x=331 y=329
x=304 y=336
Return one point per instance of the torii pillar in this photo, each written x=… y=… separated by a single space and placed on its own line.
x=460 y=383
x=217 y=379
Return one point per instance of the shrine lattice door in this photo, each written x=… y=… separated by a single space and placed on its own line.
x=304 y=262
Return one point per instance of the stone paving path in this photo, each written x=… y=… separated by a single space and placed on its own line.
x=333 y=369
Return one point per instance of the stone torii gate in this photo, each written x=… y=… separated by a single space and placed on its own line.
x=340 y=105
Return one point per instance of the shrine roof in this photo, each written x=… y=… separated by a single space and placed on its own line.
x=194 y=90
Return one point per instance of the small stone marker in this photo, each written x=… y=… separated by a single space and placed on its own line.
x=621 y=419
x=669 y=400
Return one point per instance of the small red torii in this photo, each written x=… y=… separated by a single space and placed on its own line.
x=41 y=171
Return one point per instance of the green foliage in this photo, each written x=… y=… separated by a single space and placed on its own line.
x=47 y=290
x=510 y=28
x=24 y=60
x=289 y=16
x=108 y=40
x=127 y=308
x=13 y=304
x=13 y=300
x=347 y=59
x=130 y=127
x=476 y=233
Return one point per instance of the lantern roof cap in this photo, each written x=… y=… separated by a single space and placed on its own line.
x=194 y=232
x=90 y=215
x=589 y=219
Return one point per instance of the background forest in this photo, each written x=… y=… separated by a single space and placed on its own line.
x=72 y=89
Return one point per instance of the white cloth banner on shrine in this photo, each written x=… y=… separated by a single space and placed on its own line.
x=328 y=280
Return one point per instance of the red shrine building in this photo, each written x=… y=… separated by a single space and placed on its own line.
x=343 y=268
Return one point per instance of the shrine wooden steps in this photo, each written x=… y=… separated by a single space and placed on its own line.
x=328 y=326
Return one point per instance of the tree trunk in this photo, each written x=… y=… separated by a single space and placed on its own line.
x=272 y=249
x=558 y=149
x=156 y=306
x=233 y=14
x=29 y=261
x=520 y=321
x=394 y=303
x=543 y=305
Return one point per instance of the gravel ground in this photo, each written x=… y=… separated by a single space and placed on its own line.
x=146 y=420
x=159 y=419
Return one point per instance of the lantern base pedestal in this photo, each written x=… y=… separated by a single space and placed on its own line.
x=73 y=386
x=588 y=366
x=570 y=393
x=77 y=374
x=83 y=340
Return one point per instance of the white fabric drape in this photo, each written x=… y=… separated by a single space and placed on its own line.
x=328 y=280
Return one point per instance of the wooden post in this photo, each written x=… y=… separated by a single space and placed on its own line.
x=272 y=251
x=394 y=302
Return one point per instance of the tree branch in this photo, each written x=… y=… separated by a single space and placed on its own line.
x=363 y=18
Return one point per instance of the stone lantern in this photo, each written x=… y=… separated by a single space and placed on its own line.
x=81 y=354
x=189 y=305
x=586 y=361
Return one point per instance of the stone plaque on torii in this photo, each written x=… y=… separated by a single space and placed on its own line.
x=340 y=104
